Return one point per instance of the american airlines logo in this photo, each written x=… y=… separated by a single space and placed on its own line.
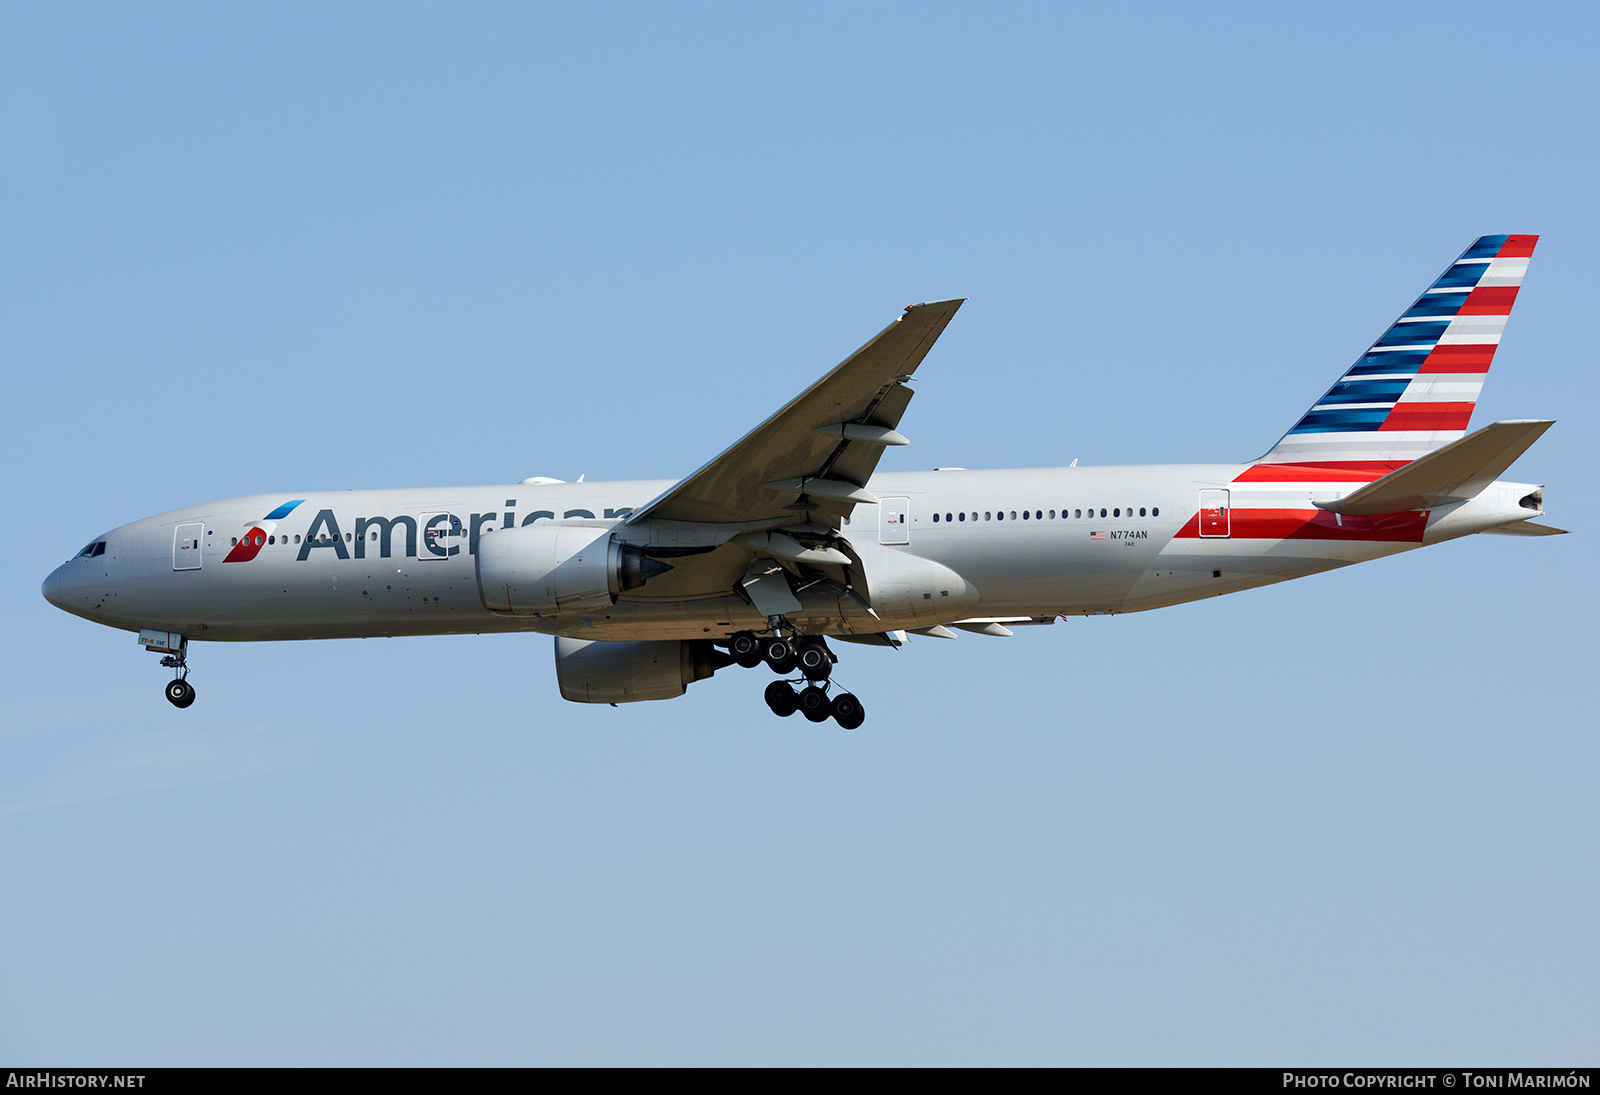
x=433 y=532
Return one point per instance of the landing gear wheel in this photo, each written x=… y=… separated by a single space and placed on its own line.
x=813 y=660
x=847 y=711
x=180 y=693
x=779 y=655
x=814 y=704
x=745 y=649
x=781 y=698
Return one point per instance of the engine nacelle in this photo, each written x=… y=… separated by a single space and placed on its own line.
x=605 y=672
x=549 y=570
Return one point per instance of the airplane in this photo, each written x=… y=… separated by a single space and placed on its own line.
x=787 y=542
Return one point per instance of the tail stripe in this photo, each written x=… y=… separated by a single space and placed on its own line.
x=1416 y=387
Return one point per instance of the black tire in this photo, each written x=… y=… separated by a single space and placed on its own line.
x=847 y=711
x=781 y=698
x=180 y=693
x=814 y=704
x=813 y=660
x=745 y=649
x=779 y=655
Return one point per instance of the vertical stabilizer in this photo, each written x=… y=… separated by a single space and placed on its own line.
x=1415 y=388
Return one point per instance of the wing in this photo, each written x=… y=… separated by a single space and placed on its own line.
x=817 y=453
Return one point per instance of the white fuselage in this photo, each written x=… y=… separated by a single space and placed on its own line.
x=1094 y=540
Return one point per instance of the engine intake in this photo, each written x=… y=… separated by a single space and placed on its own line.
x=550 y=570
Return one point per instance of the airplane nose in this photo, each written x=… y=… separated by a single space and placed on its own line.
x=52 y=588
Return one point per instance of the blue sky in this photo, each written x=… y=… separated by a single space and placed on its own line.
x=293 y=247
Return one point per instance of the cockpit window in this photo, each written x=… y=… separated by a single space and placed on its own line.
x=96 y=548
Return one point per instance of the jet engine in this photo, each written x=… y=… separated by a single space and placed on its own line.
x=602 y=672
x=548 y=570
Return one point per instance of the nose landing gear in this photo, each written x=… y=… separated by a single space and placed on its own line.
x=180 y=693
x=175 y=648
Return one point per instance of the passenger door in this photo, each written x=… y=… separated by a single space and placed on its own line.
x=187 y=540
x=1215 y=519
x=894 y=521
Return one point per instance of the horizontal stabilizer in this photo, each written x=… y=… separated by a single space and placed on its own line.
x=1454 y=473
x=1527 y=528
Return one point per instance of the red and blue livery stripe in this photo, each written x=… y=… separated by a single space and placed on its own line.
x=250 y=544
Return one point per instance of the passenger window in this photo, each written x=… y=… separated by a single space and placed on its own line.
x=297 y=537
x=233 y=541
x=1052 y=515
x=1038 y=515
x=963 y=516
x=986 y=515
x=1013 y=515
x=1102 y=511
x=936 y=518
x=1077 y=513
x=1155 y=511
x=1141 y=511
x=1024 y=515
x=1000 y=516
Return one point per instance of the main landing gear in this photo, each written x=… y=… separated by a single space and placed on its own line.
x=812 y=701
x=809 y=695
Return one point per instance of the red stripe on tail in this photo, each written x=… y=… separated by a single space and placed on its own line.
x=1474 y=358
x=1349 y=471
x=1428 y=417
x=1517 y=247
x=1492 y=300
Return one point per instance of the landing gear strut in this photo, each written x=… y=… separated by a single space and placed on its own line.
x=179 y=692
